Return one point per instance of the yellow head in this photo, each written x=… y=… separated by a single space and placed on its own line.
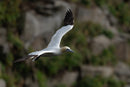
x=66 y=49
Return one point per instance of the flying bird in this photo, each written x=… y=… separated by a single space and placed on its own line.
x=53 y=47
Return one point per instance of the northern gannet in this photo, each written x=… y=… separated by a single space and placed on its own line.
x=53 y=47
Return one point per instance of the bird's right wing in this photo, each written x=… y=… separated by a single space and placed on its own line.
x=33 y=55
x=25 y=58
x=68 y=25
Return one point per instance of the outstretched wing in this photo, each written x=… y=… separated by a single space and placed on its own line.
x=68 y=25
x=33 y=56
x=25 y=58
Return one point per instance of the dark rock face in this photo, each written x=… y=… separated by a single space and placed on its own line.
x=100 y=43
x=93 y=14
x=30 y=83
x=123 y=51
x=95 y=71
x=68 y=79
x=36 y=25
x=2 y=36
x=3 y=40
x=122 y=71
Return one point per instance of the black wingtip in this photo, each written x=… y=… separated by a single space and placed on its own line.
x=68 y=20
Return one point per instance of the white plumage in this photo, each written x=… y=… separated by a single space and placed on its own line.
x=56 y=38
x=53 y=47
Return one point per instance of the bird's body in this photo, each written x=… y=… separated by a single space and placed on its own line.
x=53 y=47
x=46 y=51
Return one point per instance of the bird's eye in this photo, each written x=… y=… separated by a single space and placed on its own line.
x=67 y=49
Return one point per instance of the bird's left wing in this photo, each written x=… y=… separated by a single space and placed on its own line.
x=68 y=25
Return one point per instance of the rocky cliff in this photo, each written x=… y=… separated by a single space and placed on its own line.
x=100 y=39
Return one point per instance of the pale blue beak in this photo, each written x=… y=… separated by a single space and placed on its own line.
x=69 y=50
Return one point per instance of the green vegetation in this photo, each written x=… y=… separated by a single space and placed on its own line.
x=99 y=81
x=91 y=29
x=9 y=59
x=82 y=51
x=23 y=70
x=55 y=65
x=60 y=85
x=9 y=12
x=10 y=80
x=107 y=57
x=120 y=9
x=14 y=40
x=41 y=79
x=90 y=82
x=86 y=2
x=100 y=2
x=13 y=74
